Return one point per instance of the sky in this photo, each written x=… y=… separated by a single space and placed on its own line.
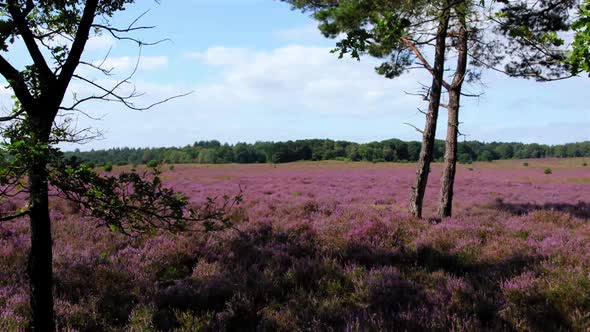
x=258 y=71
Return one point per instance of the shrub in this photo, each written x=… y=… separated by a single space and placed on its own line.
x=585 y=164
x=153 y=163
x=171 y=167
x=525 y=164
x=548 y=171
x=90 y=164
x=108 y=167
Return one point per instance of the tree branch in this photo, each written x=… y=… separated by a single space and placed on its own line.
x=417 y=129
x=22 y=25
x=17 y=83
x=422 y=59
x=78 y=46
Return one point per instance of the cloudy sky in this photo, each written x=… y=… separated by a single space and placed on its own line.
x=259 y=71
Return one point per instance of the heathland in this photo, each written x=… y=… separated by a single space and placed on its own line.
x=329 y=246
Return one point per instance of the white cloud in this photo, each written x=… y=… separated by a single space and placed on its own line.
x=126 y=63
x=219 y=56
x=307 y=77
x=100 y=43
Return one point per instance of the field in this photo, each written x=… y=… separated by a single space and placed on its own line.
x=330 y=246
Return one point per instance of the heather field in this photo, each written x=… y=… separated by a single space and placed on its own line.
x=330 y=247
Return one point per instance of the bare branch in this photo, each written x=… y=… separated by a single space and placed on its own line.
x=422 y=59
x=417 y=129
x=12 y=116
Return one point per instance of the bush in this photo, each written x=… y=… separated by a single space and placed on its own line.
x=153 y=163
x=548 y=171
x=585 y=164
x=90 y=164
x=525 y=164
x=108 y=167
x=171 y=167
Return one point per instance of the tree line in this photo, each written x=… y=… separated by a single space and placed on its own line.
x=392 y=150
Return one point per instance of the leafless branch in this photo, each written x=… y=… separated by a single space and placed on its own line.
x=416 y=128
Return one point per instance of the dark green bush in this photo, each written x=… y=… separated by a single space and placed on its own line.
x=108 y=167
x=153 y=163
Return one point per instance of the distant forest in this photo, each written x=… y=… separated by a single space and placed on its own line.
x=213 y=152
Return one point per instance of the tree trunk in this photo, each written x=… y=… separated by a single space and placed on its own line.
x=40 y=257
x=427 y=150
x=448 y=177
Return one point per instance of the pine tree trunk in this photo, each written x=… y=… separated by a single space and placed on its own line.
x=448 y=177
x=40 y=271
x=427 y=150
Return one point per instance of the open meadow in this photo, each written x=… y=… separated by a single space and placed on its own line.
x=329 y=246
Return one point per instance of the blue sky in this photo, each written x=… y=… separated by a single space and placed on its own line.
x=259 y=71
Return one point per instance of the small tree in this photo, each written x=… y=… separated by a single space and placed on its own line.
x=55 y=34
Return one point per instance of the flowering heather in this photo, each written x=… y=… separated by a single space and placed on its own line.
x=330 y=246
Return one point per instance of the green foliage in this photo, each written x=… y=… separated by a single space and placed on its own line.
x=392 y=150
x=525 y=164
x=153 y=163
x=579 y=57
x=141 y=319
x=548 y=171
x=108 y=167
x=136 y=203
x=534 y=31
